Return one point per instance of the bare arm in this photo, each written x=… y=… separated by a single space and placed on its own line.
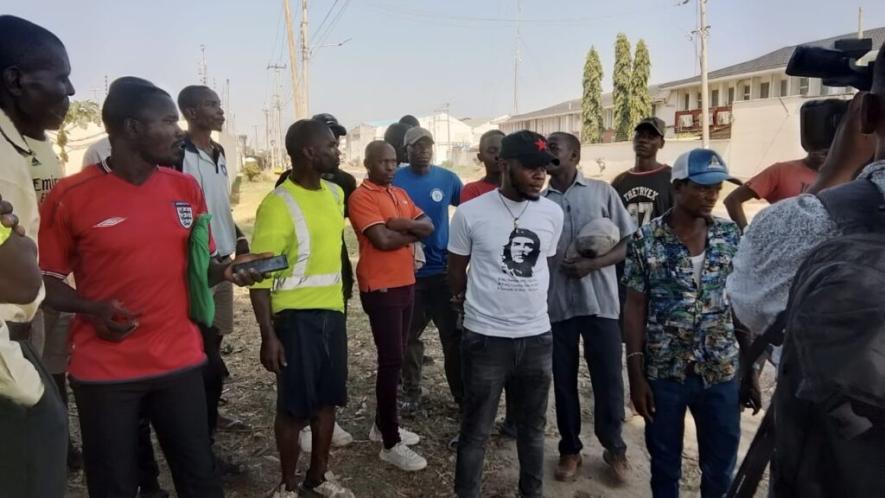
x=420 y=227
x=734 y=203
x=581 y=267
x=112 y=321
x=386 y=239
x=635 y=316
x=19 y=273
x=458 y=275
x=272 y=356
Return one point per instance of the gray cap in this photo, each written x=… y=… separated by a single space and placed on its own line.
x=657 y=124
x=416 y=133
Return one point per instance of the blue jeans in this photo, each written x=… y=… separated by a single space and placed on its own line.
x=716 y=412
x=602 y=351
x=488 y=363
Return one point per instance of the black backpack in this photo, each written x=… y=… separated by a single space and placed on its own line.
x=826 y=424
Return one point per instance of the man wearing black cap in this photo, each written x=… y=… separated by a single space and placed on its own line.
x=347 y=182
x=395 y=135
x=646 y=189
x=506 y=237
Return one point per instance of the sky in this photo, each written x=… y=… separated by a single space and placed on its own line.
x=415 y=56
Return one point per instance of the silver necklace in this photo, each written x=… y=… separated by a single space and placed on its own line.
x=515 y=218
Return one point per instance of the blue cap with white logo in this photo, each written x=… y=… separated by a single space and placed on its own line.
x=701 y=166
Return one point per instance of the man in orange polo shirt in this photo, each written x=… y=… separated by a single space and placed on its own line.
x=387 y=223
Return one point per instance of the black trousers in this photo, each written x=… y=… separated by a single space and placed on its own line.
x=109 y=424
x=433 y=301
x=214 y=373
x=34 y=442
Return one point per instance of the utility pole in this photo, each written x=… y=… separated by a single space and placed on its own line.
x=859 y=23
x=267 y=147
x=277 y=106
x=305 y=62
x=293 y=64
x=516 y=58
x=203 y=71
x=703 y=33
x=106 y=86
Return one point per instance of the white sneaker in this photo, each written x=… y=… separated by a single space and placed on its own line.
x=340 y=438
x=406 y=436
x=330 y=488
x=281 y=492
x=403 y=457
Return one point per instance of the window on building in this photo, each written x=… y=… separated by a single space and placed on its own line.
x=730 y=95
x=803 y=86
x=715 y=100
x=699 y=101
x=764 y=90
x=783 y=92
x=746 y=93
x=686 y=102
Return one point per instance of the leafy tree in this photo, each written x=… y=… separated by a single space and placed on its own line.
x=591 y=102
x=80 y=114
x=641 y=106
x=622 y=91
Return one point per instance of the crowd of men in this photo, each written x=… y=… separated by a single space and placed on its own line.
x=138 y=250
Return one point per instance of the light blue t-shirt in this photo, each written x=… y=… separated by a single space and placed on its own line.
x=433 y=192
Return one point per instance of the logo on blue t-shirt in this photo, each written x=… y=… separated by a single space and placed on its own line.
x=437 y=195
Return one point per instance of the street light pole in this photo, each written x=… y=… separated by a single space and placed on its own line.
x=703 y=32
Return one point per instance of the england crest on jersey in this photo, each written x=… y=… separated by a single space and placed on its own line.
x=185 y=214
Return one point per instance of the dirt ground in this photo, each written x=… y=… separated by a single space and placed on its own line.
x=250 y=396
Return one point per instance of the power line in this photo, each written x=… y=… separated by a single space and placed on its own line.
x=436 y=17
x=323 y=22
x=331 y=26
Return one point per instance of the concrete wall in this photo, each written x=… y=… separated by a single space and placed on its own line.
x=606 y=161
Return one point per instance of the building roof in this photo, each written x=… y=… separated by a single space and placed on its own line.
x=573 y=106
x=777 y=59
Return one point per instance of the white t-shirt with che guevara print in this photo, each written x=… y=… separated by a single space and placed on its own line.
x=508 y=278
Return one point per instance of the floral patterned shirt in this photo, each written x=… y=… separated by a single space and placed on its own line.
x=689 y=326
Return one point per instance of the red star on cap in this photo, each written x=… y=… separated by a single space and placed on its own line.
x=541 y=145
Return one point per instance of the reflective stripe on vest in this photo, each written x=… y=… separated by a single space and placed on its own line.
x=299 y=278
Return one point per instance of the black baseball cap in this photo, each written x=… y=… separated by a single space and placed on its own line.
x=528 y=147
x=656 y=124
x=332 y=123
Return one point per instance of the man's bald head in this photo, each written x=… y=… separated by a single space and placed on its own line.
x=380 y=162
x=377 y=148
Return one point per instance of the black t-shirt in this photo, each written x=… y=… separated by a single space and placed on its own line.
x=645 y=195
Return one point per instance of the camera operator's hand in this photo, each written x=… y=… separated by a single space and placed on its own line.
x=850 y=152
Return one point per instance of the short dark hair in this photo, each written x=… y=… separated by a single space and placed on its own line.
x=879 y=72
x=572 y=140
x=127 y=98
x=409 y=120
x=191 y=96
x=301 y=133
x=23 y=41
x=489 y=134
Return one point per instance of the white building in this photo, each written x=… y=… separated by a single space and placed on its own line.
x=678 y=103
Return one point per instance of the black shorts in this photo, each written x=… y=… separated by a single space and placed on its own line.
x=315 y=345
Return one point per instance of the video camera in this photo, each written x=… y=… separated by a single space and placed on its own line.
x=836 y=66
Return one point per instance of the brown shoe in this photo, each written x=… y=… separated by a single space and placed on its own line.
x=619 y=466
x=567 y=469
